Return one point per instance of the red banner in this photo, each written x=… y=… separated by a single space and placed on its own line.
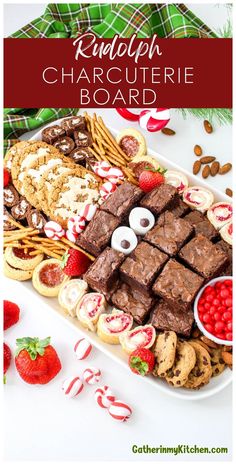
x=92 y=72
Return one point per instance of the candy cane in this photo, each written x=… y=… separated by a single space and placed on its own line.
x=153 y=119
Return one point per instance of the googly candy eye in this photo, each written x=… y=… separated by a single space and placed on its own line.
x=124 y=240
x=141 y=220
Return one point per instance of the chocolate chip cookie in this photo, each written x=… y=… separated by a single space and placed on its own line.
x=185 y=360
x=164 y=350
x=202 y=370
x=217 y=362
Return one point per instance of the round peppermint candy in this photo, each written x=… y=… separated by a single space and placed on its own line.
x=82 y=348
x=104 y=397
x=72 y=387
x=119 y=410
x=92 y=375
x=54 y=230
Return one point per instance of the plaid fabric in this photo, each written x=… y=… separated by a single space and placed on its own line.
x=63 y=20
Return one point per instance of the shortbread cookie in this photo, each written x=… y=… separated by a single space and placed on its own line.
x=17 y=258
x=202 y=371
x=45 y=183
x=70 y=192
x=34 y=173
x=217 y=362
x=15 y=273
x=48 y=277
x=11 y=153
x=164 y=351
x=24 y=157
x=185 y=359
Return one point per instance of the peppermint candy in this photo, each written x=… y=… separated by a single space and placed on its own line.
x=114 y=175
x=119 y=410
x=92 y=375
x=72 y=387
x=107 y=189
x=106 y=171
x=88 y=211
x=101 y=168
x=54 y=230
x=76 y=224
x=71 y=236
x=82 y=348
x=104 y=397
x=154 y=119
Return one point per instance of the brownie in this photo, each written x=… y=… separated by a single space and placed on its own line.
x=204 y=257
x=98 y=232
x=133 y=301
x=222 y=245
x=160 y=199
x=166 y=318
x=125 y=197
x=180 y=208
x=177 y=285
x=169 y=233
x=202 y=225
x=142 y=266
x=52 y=133
x=102 y=275
x=72 y=124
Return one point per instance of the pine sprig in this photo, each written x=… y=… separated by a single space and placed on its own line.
x=219 y=115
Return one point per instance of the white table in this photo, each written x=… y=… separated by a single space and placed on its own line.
x=57 y=428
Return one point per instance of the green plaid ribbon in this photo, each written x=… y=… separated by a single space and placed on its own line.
x=63 y=20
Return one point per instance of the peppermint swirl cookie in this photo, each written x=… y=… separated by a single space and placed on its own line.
x=141 y=337
x=89 y=308
x=198 y=197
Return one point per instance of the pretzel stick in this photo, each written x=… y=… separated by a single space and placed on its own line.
x=18 y=225
x=72 y=245
x=20 y=235
x=16 y=231
x=43 y=249
x=115 y=162
x=130 y=177
x=102 y=155
x=95 y=154
x=111 y=149
x=109 y=135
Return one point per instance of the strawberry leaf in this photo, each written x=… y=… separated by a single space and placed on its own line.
x=139 y=365
x=65 y=259
x=33 y=346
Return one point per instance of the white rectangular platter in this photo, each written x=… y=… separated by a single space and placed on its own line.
x=115 y=352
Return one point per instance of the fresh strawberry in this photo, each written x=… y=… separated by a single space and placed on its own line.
x=75 y=263
x=151 y=178
x=142 y=361
x=11 y=314
x=6 y=177
x=36 y=361
x=6 y=360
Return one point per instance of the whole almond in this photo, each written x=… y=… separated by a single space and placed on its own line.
x=215 y=166
x=209 y=343
x=206 y=171
x=227 y=357
x=168 y=132
x=207 y=126
x=229 y=192
x=206 y=160
x=197 y=150
x=196 y=167
x=225 y=168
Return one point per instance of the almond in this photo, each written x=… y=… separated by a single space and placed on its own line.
x=209 y=343
x=168 y=132
x=207 y=126
x=229 y=192
x=196 y=332
x=225 y=168
x=227 y=357
x=206 y=171
x=197 y=150
x=215 y=166
x=206 y=160
x=196 y=167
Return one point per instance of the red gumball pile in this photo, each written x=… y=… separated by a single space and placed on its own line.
x=215 y=309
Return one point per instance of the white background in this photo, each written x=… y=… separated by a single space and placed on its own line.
x=40 y=424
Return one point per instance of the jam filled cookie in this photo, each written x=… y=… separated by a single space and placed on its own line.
x=111 y=327
x=89 y=308
x=17 y=258
x=48 y=277
x=70 y=293
x=202 y=370
x=16 y=273
x=132 y=142
x=185 y=359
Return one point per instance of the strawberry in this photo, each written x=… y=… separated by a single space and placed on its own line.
x=11 y=313
x=151 y=178
x=36 y=361
x=142 y=361
x=6 y=177
x=75 y=263
x=6 y=360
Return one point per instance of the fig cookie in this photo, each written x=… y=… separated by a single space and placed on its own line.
x=132 y=142
x=202 y=370
x=164 y=351
x=185 y=359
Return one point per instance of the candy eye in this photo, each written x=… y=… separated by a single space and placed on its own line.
x=124 y=240
x=141 y=220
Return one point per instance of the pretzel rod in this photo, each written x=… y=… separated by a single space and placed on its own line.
x=72 y=245
x=102 y=156
x=20 y=235
x=109 y=135
x=95 y=154
x=16 y=231
x=112 y=150
x=100 y=145
x=35 y=252
x=130 y=177
x=43 y=249
x=95 y=116
x=114 y=161
x=13 y=244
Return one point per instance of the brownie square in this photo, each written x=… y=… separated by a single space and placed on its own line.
x=202 y=225
x=125 y=197
x=98 y=232
x=159 y=199
x=204 y=257
x=222 y=245
x=133 y=301
x=169 y=233
x=177 y=285
x=180 y=208
x=102 y=275
x=166 y=318
x=142 y=266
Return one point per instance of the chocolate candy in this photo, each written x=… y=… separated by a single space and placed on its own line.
x=72 y=124
x=20 y=210
x=36 y=220
x=10 y=196
x=64 y=144
x=52 y=133
x=83 y=138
